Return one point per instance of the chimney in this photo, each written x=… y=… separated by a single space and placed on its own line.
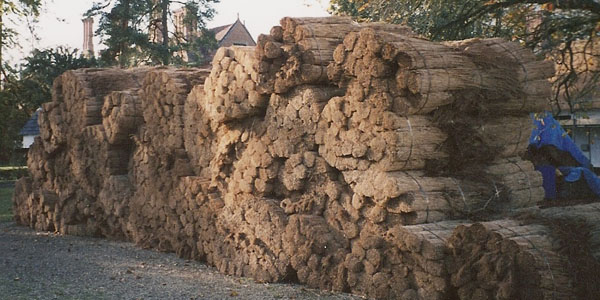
x=88 y=37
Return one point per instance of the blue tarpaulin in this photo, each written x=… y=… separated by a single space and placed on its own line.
x=573 y=174
x=549 y=180
x=547 y=131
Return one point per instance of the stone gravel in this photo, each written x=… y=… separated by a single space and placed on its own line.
x=43 y=265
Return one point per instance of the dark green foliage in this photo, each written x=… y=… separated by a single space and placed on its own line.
x=120 y=32
x=459 y=19
x=139 y=32
x=12 y=118
x=42 y=67
x=25 y=90
x=11 y=12
x=436 y=19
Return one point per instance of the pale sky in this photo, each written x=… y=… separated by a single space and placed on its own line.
x=60 y=22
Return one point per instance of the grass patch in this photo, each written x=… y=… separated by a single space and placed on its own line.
x=6 y=204
x=13 y=173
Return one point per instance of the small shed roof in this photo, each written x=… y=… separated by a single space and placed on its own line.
x=31 y=127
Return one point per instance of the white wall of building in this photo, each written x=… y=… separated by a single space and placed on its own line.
x=27 y=141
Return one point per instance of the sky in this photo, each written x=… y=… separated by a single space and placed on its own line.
x=60 y=22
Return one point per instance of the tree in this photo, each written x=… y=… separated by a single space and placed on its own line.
x=39 y=70
x=564 y=30
x=119 y=30
x=25 y=90
x=199 y=42
x=12 y=11
x=138 y=32
x=429 y=17
x=12 y=116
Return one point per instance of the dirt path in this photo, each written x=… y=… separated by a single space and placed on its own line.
x=36 y=265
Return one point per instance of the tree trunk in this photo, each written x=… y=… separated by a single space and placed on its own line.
x=164 y=6
x=124 y=25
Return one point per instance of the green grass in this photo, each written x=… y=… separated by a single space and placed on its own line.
x=6 y=204
x=12 y=173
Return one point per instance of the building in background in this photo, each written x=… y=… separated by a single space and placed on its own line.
x=30 y=130
x=584 y=129
x=183 y=30
x=580 y=115
x=235 y=34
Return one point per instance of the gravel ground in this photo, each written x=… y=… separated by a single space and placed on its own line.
x=41 y=265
